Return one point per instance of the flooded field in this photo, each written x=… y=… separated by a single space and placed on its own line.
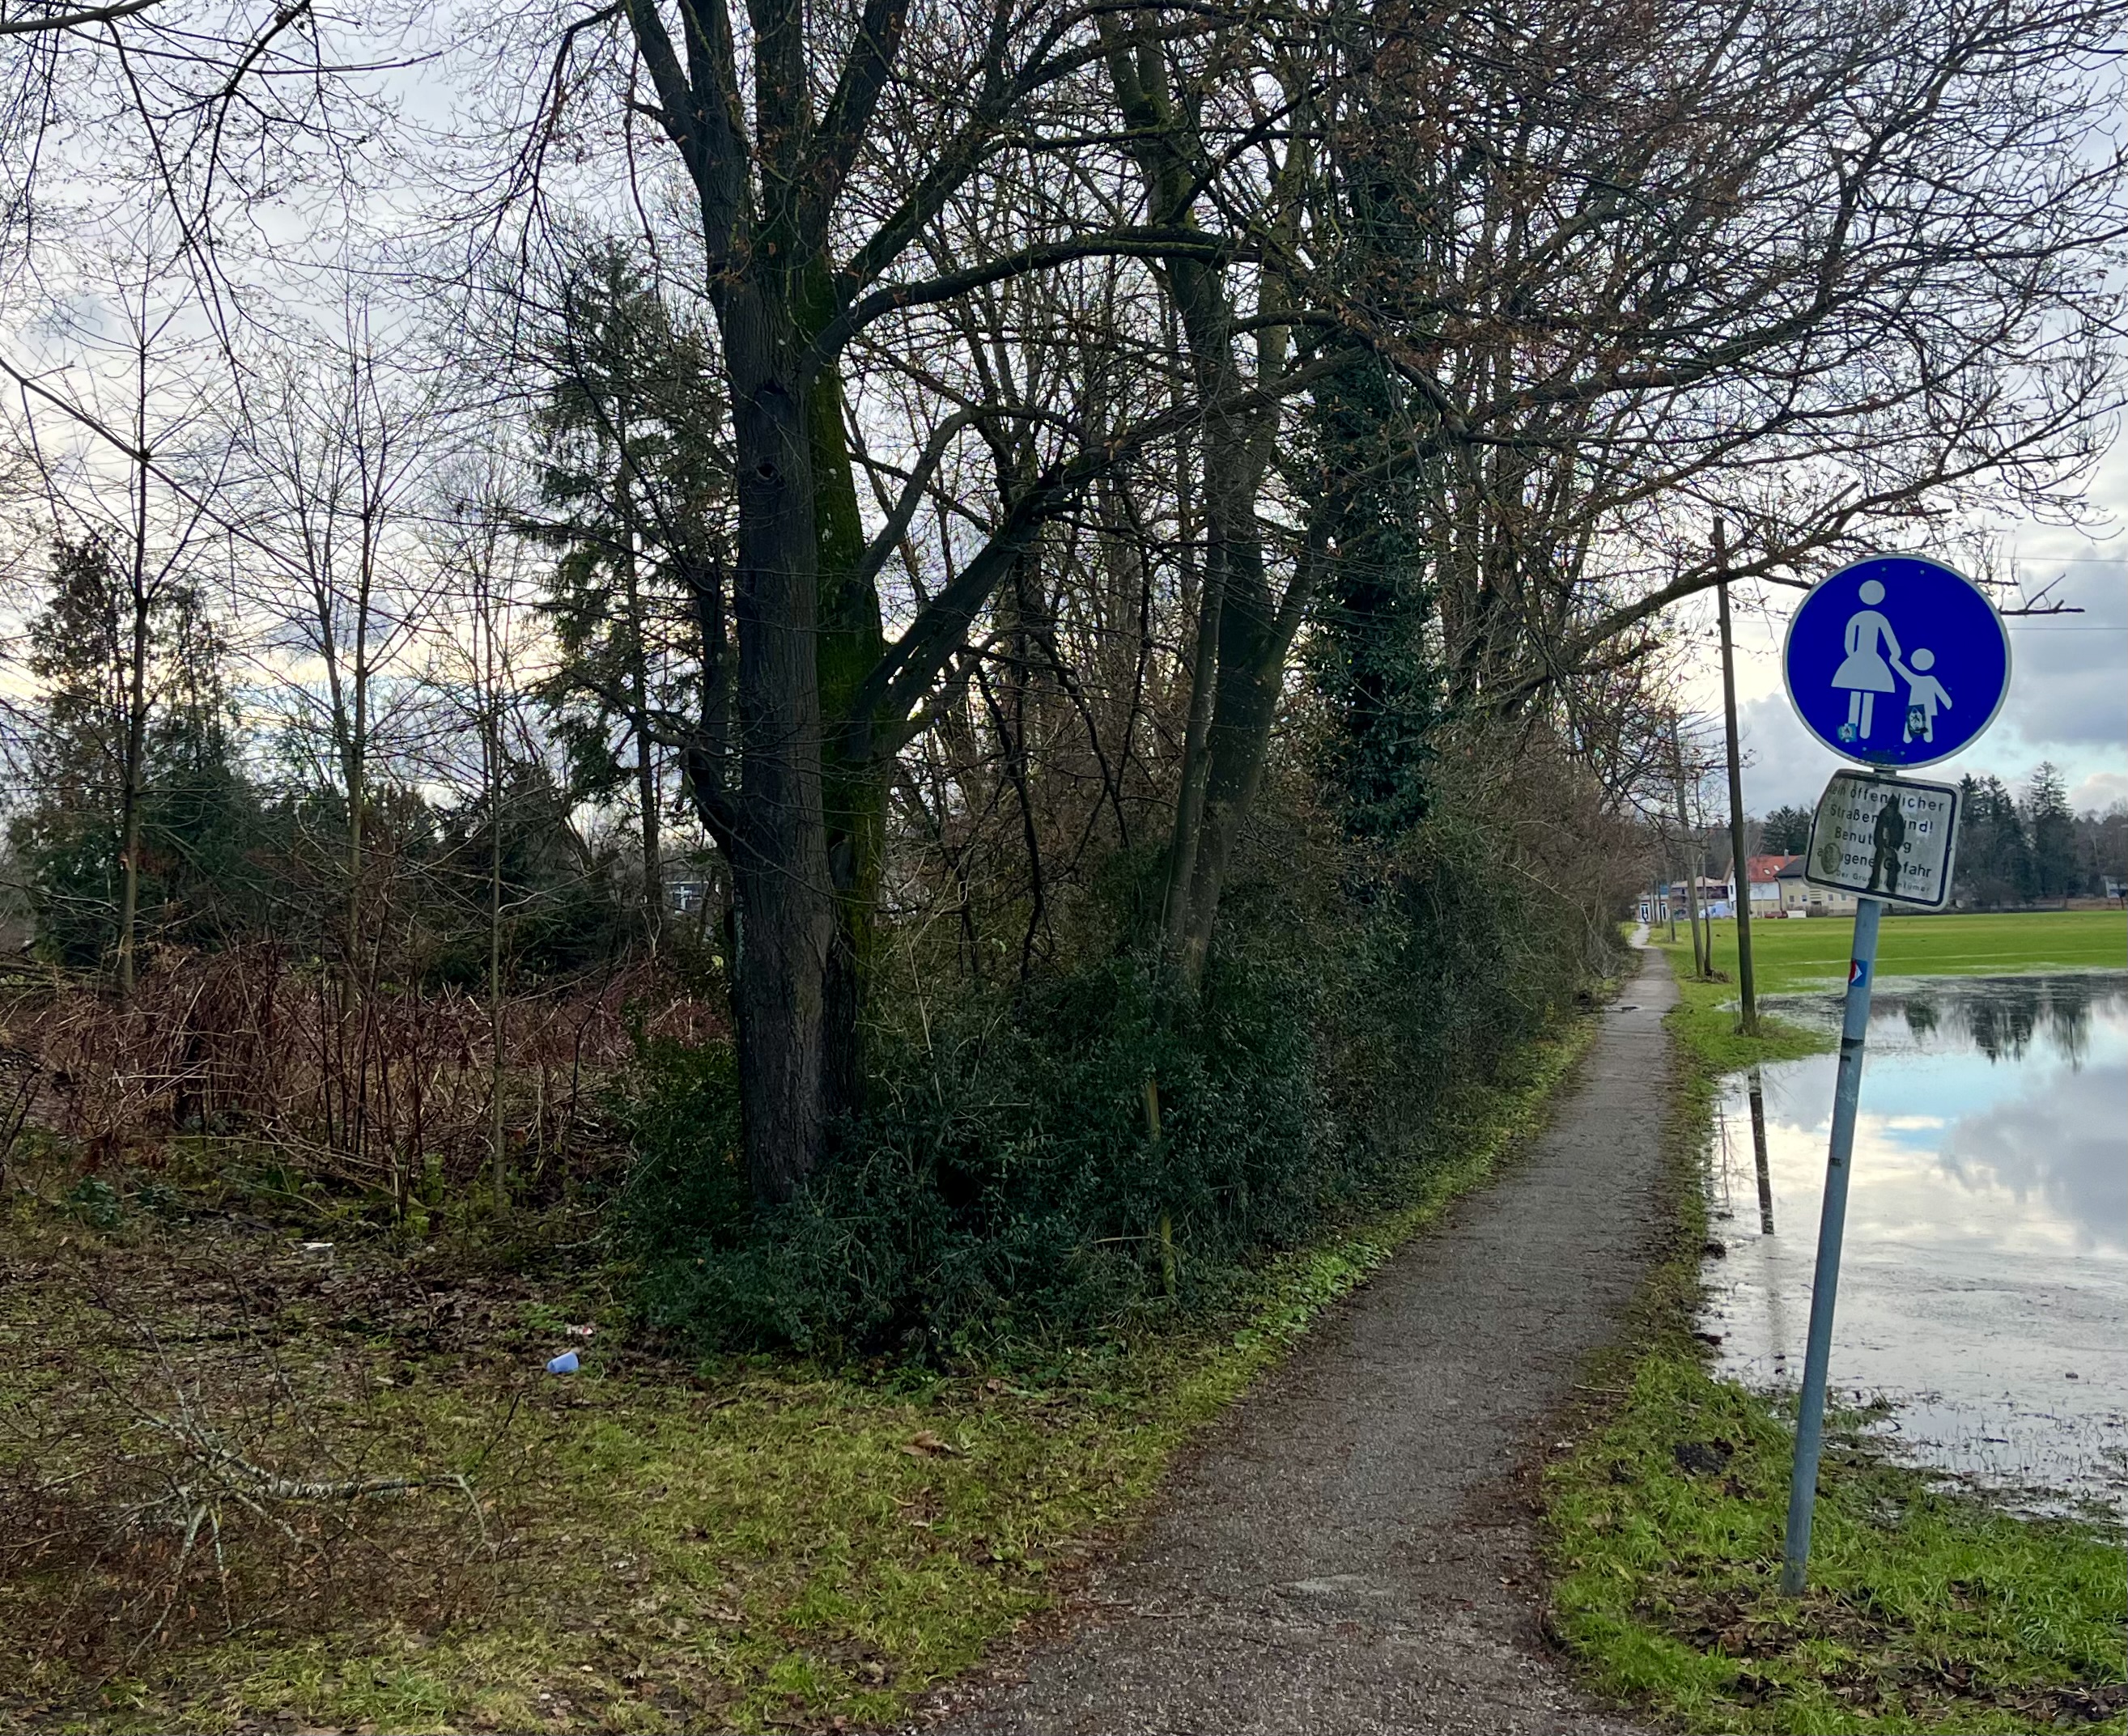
x=1984 y=1290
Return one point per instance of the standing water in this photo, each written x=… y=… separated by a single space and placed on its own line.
x=1984 y=1292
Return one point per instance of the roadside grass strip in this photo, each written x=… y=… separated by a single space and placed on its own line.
x=747 y=1545
x=1930 y=1607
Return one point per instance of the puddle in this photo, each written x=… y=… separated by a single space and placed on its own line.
x=1984 y=1292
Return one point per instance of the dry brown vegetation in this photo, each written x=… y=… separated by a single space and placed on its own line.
x=392 y=1091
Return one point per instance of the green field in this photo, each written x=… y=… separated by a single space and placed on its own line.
x=1813 y=953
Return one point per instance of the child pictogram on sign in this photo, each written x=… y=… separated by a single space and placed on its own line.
x=1897 y=660
x=1925 y=695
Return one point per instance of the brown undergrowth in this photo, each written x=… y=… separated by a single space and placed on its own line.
x=388 y=1089
x=248 y=1481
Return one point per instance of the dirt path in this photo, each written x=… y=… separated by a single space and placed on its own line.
x=1348 y=1551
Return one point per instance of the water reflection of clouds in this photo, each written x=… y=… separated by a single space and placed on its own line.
x=2059 y=1143
x=1904 y=1191
x=2024 y=1154
x=1987 y=1224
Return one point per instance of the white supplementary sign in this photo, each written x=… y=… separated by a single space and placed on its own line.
x=1884 y=838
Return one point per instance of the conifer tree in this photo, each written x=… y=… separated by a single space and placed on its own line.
x=634 y=494
x=136 y=752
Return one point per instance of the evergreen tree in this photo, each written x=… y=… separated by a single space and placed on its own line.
x=1786 y=831
x=635 y=495
x=2050 y=826
x=197 y=813
x=1994 y=858
x=1371 y=652
x=556 y=902
x=67 y=840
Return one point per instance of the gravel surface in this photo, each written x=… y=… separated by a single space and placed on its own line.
x=1350 y=1549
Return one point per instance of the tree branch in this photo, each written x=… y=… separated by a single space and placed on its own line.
x=71 y=21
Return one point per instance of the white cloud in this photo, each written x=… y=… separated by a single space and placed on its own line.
x=2101 y=790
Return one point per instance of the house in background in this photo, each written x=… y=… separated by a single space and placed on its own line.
x=1763 y=872
x=1798 y=898
x=1717 y=900
x=1662 y=902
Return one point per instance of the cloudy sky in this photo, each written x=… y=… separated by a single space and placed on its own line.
x=2068 y=688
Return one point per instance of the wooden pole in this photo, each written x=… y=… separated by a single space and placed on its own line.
x=1691 y=867
x=1741 y=863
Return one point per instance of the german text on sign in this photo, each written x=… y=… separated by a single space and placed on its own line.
x=1884 y=837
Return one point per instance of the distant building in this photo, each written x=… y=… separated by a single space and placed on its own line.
x=1716 y=899
x=684 y=898
x=1658 y=903
x=1798 y=897
x=1764 y=873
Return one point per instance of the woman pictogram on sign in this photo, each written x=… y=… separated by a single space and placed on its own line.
x=1865 y=673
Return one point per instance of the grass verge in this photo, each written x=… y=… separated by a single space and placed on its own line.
x=1929 y=1608
x=639 y=1547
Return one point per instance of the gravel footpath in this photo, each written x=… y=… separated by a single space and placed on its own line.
x=1349 y=1550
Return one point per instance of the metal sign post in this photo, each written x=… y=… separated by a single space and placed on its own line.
x=1882 y=837
x=1832 y=1229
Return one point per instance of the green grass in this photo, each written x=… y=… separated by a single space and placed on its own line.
x=1928 y=1608
x=1706 y=1019
x=762 y=1544
x=1813 y=953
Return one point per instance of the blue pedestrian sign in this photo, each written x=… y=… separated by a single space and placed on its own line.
x=1897 y=660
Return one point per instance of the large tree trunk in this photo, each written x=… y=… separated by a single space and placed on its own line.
x=639 y=699
x=132 y=779
x=850 y=640
x=1245 y=708
x=1240 y=647
x=786 y=897
x=1239 y=627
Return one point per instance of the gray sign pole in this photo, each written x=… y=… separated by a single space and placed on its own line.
x=1831 y=1227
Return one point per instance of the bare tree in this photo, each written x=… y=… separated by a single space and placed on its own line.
x=139 y=543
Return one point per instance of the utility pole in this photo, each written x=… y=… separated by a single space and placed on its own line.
x=1740 y=864
x=1699 y=960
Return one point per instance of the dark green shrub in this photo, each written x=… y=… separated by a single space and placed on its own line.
x=1002 y=1183
x=679 y=1107
x=1004 y=1179
x=96 y=1203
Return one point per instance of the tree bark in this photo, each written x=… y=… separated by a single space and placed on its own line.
x=131 y=780
x=639 y=699
x=851 y=638
x=132 y=773
x=785 y=893
x=1239 y=622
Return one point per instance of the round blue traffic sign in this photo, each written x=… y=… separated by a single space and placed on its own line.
x=1897 y=660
